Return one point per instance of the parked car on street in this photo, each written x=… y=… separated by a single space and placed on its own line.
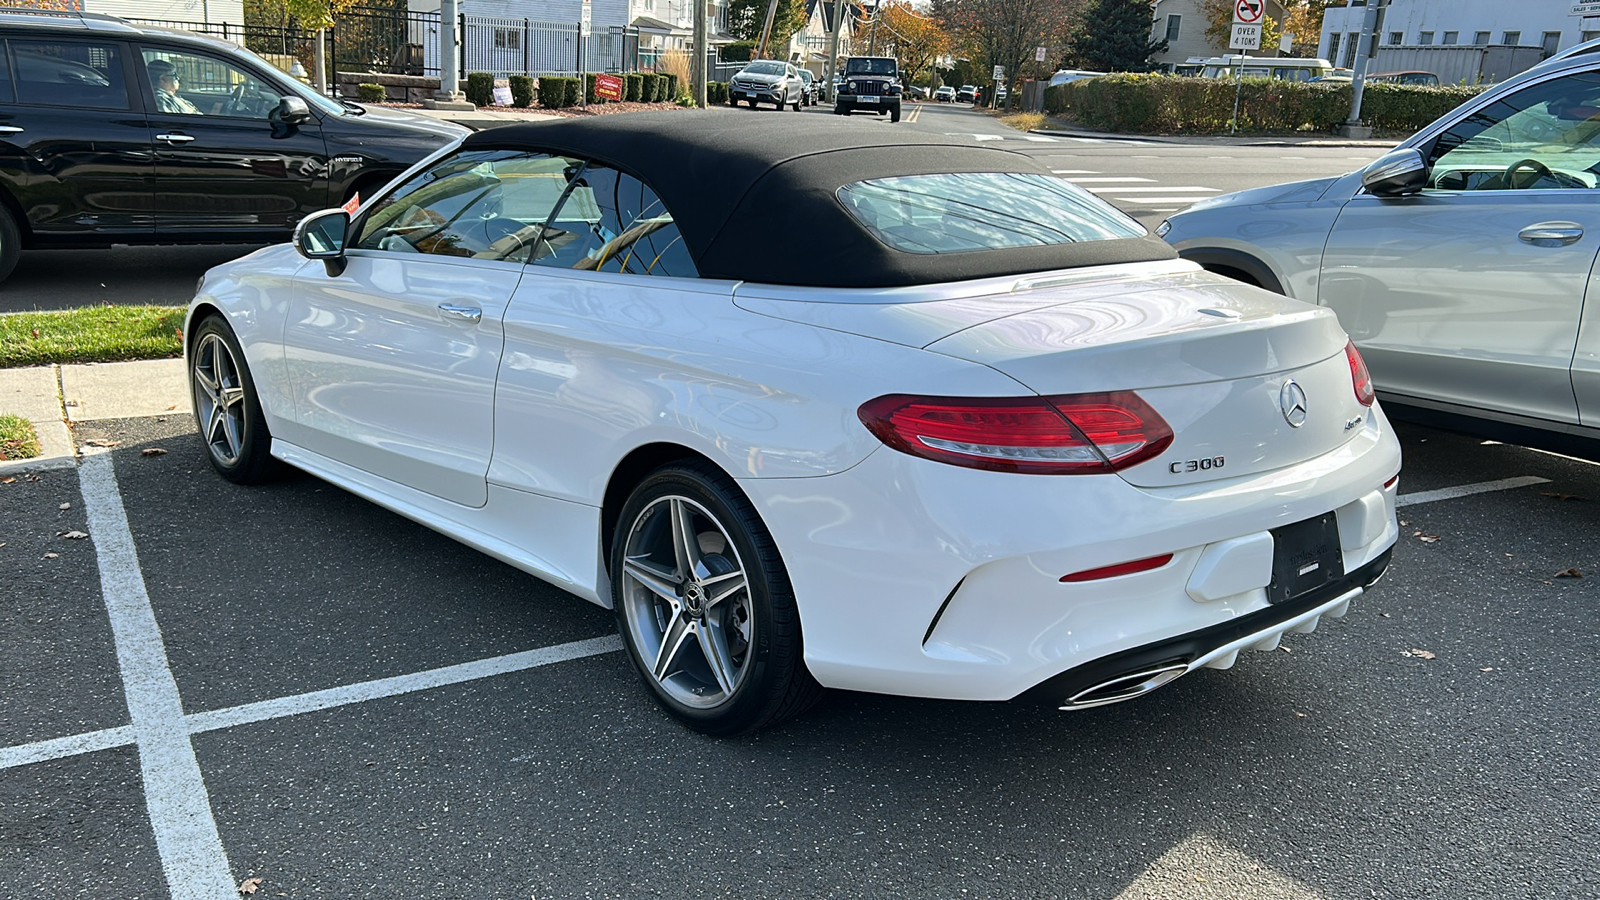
x=767 y=81
x=871 y=84
x=811 y=92
x=118 y=133
x=944 y=94
x=1015 y=445
x=1460 y=262
x=967 y=94
x=1407 y=77
x=1067 y=76
x=1280 y=67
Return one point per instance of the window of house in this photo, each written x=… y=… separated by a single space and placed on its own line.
x=508 y=39
x=1451 y=38
x=1333 y=45
x=1551 y=42
x=1173 y=24
x=1425 y=38
x=1480 y=39
x=1514 y=38
x=1350 y=49
x=1396 y=37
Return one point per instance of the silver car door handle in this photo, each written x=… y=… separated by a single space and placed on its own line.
x=10 y=129
x=175 y=138
x=470 y=313
x=1552 y=234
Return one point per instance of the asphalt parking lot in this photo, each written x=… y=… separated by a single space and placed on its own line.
x=290 y=684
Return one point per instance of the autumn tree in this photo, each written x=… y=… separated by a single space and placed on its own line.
x=915 y=40
x=746 y=18
x=1115 y=37
x=1006 y=32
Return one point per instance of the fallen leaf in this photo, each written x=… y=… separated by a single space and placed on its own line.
x=1569 y=573
x=8 y=480
x=70 y=403
x=1422 y=653
x=1557 y=495
x=1428 y=538
x=65 y=506
x=1489 y=669
x=1299 y=715
x=1386 y=615
x=36 y=333
x=152 y=451
x=52 y=556
x=1404 y=523
x=249 y=886
x=72 y=535
x=173 y=406
x=1284 y=649
x=103 y=442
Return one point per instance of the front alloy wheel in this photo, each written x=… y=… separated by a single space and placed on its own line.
x=704 y=603
x=226 y=409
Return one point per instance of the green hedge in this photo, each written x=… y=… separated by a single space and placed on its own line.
x=738 y=51
x=672 y=93
x=632 y=84
x=480 y=88
x=716 y=92
x=652 y=88
x=557 y=91
x=588 y=88
x=371 y=93
x=1164 y=104
x=522 y=90
x=574 y=92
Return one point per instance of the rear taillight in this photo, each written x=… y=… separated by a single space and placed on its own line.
x=1359 y=376
x=1062 y=435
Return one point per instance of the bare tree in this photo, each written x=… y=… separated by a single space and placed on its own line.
x=1007 y=32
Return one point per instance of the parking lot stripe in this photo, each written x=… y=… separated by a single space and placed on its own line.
x=400 y=684
x=175 y=793
x=1466 y=490
x=60 y=748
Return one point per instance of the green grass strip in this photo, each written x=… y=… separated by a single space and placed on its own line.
x=18 y=440
x=91 y=334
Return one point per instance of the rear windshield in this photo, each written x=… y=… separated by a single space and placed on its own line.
x=955 y=213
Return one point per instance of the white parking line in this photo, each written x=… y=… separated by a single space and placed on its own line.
x=1109 y=179
x=1467 y=490
x=174 y=791
x=1074 y=171
x=1183 y=200
x=1152 y=190
x=60 y=748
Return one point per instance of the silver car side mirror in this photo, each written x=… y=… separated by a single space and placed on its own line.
x=1396 y=173
x=321 y=235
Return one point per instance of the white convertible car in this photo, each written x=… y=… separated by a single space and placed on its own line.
x=986 y=436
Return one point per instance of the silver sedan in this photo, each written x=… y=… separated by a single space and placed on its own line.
x=1458 y=262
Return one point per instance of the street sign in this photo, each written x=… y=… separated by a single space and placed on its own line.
x=608 y=86
x=586 y=17
x=1286 y=43
x=1249 y=12
x=1245 y=37
x=999 y=72
x=1039 y=53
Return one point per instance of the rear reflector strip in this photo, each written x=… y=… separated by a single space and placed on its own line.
x=1391 y=482
x=1127 y=568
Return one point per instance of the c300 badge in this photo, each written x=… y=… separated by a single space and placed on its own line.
x=1196 y=465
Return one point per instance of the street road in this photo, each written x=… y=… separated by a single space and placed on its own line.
x=1147 y=178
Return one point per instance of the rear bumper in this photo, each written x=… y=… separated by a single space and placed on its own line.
x=929 y=580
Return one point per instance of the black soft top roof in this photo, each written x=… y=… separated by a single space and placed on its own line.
x=754 y=196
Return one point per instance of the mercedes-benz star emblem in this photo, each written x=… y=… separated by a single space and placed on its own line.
x=1292 y=400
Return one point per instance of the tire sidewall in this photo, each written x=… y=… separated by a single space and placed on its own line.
x=10 y=243
x=750 y=697
x=253 y=443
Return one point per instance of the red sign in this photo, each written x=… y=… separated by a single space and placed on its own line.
x=608 y=87
x=353 y=204
x=1249 y=12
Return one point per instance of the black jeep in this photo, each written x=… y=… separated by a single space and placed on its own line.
x=870 y=83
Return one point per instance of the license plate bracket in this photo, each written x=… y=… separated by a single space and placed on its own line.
x=1305 y=556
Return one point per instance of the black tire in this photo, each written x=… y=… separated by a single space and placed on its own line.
x=894 y=113
x=752 y=103
x=233 y=429
x=758 y=636
x=840 y=111
x=796 y=105
x=10 y=243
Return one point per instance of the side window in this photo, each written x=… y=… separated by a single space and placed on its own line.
x=612 y=222
x=191 y=84
x=484 y=204
x=1541 y=137
x=6 y=94
x=70 y=73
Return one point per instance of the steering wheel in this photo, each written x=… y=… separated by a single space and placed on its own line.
x=1540 y=171
x=240 y=100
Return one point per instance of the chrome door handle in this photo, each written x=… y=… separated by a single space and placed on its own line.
x=1552 y=234
x=175 y=138
x=10 y=129
x=470 y=313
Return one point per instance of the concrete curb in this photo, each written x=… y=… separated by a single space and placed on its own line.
x=55 y=397
x=1228 y=140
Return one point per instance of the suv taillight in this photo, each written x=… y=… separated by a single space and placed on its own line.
x=1074 y=434
x=1359 y=377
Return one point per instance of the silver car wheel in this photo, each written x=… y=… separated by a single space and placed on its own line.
x=687 y=602
x=219 y=399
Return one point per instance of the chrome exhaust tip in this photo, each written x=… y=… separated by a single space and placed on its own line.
x=1125 y=687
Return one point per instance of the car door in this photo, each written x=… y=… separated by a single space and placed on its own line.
x=391 y=361
x=224 y=166
x=1471 y=291
x=74 y=144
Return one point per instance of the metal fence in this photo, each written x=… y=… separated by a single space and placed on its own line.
x=401 y=42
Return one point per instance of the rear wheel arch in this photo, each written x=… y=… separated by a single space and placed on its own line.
x=629 y=473
x=1236 y=264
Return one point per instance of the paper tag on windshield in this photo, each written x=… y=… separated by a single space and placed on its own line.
x=353 y=204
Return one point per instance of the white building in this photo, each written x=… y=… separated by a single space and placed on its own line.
x=215 y=12
x=1182 y=24
x=1546 y=24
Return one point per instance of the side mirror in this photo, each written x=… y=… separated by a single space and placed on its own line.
x=292 y=111
x=1396 y=173
x=321 y=235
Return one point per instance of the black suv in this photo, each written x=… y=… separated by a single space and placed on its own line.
x=870 y=83
x=114 y=133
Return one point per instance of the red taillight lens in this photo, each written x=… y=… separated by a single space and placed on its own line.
x=1127 y=568
x=1062 y=435
x=1358 y=374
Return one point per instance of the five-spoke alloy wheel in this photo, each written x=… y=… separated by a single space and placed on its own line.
x=704 y=604
x=225 y=405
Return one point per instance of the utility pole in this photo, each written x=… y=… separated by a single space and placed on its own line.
x=699 y=74
x=1371 y=27
x=449 y=95
x=833 y=49
x=872 y=39
x=766 y=30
